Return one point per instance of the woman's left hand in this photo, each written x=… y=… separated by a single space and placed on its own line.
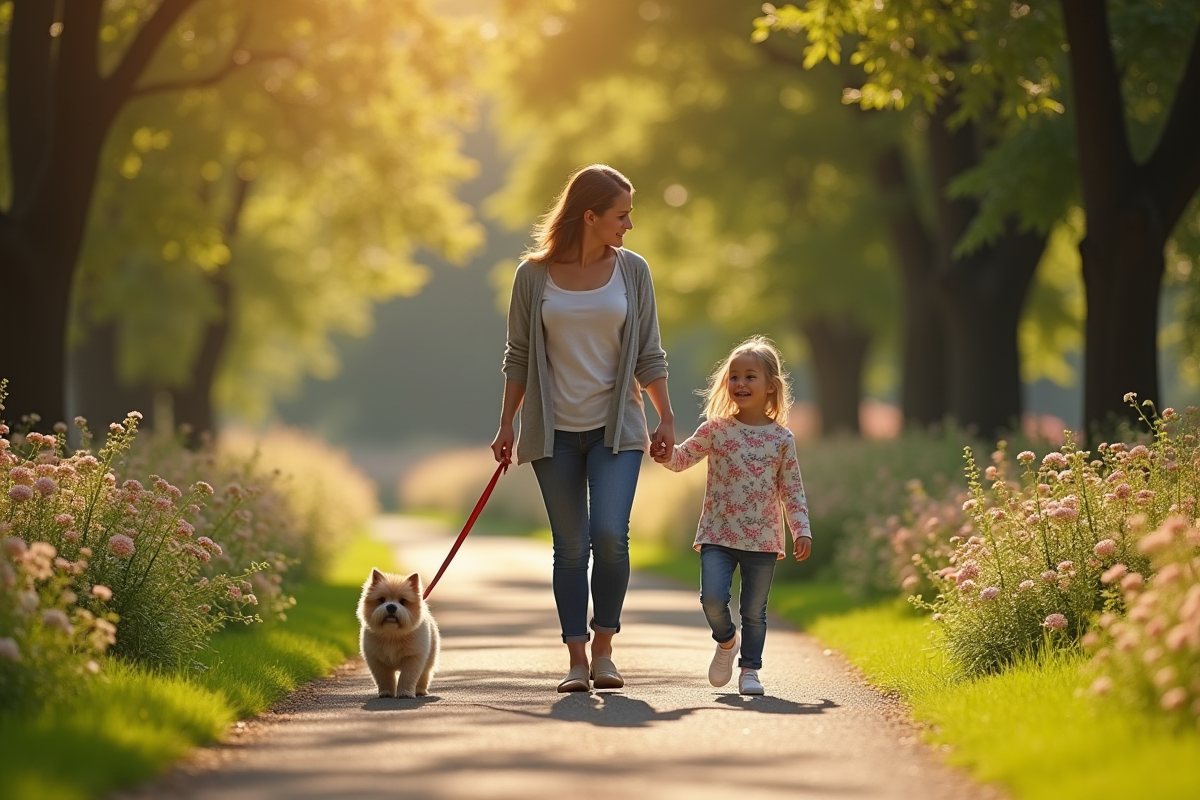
x=802 y=546
x=663 y=441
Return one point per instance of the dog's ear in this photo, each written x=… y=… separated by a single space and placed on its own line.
x=376 y=577
x=414 y=581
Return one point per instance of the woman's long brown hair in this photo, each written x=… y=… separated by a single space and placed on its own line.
x=558 y=236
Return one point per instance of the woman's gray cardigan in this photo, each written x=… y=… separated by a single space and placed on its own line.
x=642 y=360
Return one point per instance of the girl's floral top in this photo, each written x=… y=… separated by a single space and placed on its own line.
x=753 y=480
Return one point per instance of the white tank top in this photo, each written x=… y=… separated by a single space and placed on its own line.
x=583 y=346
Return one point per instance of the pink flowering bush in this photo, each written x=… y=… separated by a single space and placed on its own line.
x=1035 y=571
x=1150 y=655
x=137 y=539
x=51 y=637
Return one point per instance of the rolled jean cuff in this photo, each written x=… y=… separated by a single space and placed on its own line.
x=602 y=629
x=576 y=638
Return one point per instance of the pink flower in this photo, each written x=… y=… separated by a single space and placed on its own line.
x=1055 y=622
x=1113 y=573
x=20 y=493
x=1026 y=457
x=202 y=488
x=63 y=519
x=1049 y=576
x=120 y=545
x=1105 y=547
x=102 y=592
x=990 y=593
x=251 y=599
x=1055 y=461
x=204 y=608
x=1102 y=685
x=1139 y=451
x=9 y=649
x=1173 y=699
x=134 y=414
x=1131 y=582
x=968 y=571
x=1144 y=496
x=57 y=618
x=1064 y=512
x=967 y=587
x=209 y=545
x=45 y=486
x=14 y=547
x=184 y=529
x=1025 y=585
x=132 y=485
x=235 y=593
x=1066 y=566
x=990 y=473
x=22 y=475
x=1123 y=490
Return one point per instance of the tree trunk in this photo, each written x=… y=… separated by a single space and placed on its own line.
x=1131 y=210
x=1122 y=274
x=981 y=293
x=923 y=349
x=839 y=352
x=983 y=300
x=193 y=406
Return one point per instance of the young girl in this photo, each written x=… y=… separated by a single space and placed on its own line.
x=753 y=481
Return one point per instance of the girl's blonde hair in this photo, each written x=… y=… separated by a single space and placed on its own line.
x=558 y=235
x=717 y=402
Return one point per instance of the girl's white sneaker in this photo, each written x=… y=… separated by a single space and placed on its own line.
x=721 y=668
x=748 y=683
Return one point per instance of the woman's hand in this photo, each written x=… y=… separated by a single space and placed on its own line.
x=663 y=442
x=502 y=445
x=802 y=546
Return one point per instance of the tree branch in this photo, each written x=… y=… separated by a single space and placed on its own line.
x=1106 y=165
x=145 y=44
x=27 y=96
x=1174 y=169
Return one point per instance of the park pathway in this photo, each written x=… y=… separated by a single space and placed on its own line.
x=494 y=727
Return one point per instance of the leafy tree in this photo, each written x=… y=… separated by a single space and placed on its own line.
x=755 y=204
x=1113 y=77
x=255 y=215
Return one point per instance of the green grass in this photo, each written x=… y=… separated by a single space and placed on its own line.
x=1032 y=729
x=134 y=723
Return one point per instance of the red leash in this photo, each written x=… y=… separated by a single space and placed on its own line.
x=502 y=467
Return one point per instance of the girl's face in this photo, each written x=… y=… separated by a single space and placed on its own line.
x=748 y=385
x=609 y=228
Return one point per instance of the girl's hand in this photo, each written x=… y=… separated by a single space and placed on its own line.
x=663 y=442
x=802 y=547
x=502 y=445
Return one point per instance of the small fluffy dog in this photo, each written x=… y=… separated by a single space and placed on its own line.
x=400 y=640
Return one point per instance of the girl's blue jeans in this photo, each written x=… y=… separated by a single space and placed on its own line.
x=588 y=491
x=717 y=564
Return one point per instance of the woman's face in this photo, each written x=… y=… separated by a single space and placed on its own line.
x=609 y=228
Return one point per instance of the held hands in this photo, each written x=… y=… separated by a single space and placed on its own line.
x=802 y=547
x=502 y=445
x=662 y=444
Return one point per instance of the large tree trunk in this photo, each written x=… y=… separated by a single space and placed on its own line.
x=192 y=405
x=984 y=297
x=1131 y=210
x=923 y=390
x=982 y=293
x=839 y=352
x=59 y=110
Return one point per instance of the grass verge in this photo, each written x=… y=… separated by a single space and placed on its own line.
x=1030 y=729
x=134 y=723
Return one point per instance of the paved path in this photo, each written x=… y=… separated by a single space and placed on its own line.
x=494 y=727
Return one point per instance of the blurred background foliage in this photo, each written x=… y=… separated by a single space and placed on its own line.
x=309 y=211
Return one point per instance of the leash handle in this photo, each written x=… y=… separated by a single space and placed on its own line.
x=502 y=467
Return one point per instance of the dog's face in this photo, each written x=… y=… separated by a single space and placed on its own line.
x=391 y=602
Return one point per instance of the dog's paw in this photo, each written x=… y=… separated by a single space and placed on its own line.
x=386 y=694
x=422 y=692
x=405 y=694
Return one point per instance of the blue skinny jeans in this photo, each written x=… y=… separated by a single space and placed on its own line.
x=717 y=564
x=588 y=491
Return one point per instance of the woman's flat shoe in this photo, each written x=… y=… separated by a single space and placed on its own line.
x=605 y=675
x=576 y=680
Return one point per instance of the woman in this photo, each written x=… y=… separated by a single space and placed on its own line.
x=583 y=343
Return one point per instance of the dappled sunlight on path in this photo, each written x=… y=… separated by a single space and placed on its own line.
x=495 y=727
